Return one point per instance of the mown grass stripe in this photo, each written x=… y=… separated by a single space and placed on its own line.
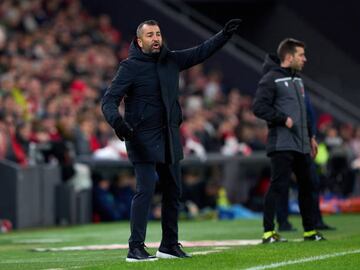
x=309 y=259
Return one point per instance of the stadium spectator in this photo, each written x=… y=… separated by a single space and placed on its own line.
x=199 y=195
x=123 y=189
x=104 y=204
x=86 y=141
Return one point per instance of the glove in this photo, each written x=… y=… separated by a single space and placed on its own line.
x=123 y=130
x=231 y=26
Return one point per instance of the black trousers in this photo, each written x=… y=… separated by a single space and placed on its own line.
x=318 y=220
x=282 y=207
x=147 y=175
x=283 y=163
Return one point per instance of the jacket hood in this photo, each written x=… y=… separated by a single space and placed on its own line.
x=135 y=52
x=272 y=62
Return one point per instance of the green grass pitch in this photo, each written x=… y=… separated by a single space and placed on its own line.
x=341 y=251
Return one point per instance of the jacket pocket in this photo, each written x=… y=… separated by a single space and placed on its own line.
x=138 y=114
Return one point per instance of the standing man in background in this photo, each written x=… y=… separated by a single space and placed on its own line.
x=282 y=211
x=149 y=81
x=280 y=100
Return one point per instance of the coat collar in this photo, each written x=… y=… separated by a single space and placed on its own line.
x=272 y=62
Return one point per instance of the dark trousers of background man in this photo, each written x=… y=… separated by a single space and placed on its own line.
x=282 y=210
x=283 y=163
x=147 y=175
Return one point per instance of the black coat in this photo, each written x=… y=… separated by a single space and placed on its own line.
x=281 y=94
x=150 y=86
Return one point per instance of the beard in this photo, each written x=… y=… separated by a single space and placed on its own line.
x=297 y=67
x=152 y=49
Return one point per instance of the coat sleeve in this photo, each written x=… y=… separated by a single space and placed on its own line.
x=193 y=56
x=119 y=86
x=263 y=103
x=310 y=116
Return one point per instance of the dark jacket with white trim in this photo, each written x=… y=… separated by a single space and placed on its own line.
x=280 y=94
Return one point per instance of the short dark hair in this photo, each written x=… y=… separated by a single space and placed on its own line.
x=288 y=45
x=148 y=22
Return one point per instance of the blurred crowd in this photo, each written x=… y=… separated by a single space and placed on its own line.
x=56 y=60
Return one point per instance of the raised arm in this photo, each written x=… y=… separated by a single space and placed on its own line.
x=193 y=56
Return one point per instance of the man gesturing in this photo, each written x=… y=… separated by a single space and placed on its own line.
x=148 y=82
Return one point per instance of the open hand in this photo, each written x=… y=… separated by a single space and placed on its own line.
x=231 y=26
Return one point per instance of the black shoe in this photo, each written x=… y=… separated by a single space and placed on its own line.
x=171 y=252
x=315 y=237
x=324 y=227
x=286 y=227
x=273 y=238
x=139 y=254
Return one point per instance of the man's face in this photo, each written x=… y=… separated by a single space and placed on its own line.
x=298 y=59
x=150 y=40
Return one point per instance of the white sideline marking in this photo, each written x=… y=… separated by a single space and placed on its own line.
x=205 y=243
x=309 y=259
x=38 y=241
x=71 y=267
x=52 y=260
x=205 y=252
